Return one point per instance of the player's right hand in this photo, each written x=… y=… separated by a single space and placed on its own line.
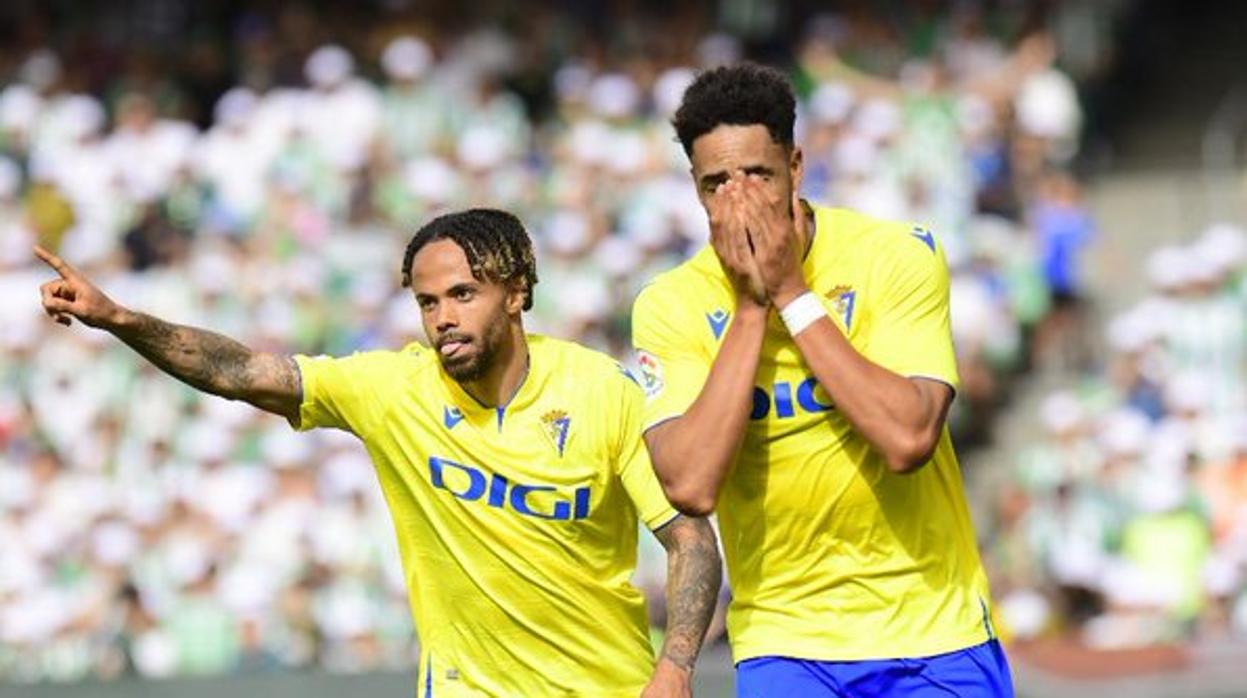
x=730 y=240
x=73 y=296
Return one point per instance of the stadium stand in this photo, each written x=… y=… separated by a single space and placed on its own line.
x=265 y=182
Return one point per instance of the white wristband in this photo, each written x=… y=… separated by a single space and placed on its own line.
x=801 y=312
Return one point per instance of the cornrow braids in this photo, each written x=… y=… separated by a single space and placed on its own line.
x=495 y=242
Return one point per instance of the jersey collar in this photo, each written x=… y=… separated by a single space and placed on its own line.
x=525 y=394
x=820 y=240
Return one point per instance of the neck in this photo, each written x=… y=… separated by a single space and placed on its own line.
x=808 y=213
x=506 y=375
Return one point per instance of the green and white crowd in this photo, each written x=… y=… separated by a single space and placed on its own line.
x=149 y=530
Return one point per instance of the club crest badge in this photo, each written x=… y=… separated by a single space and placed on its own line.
x=843 y=298
x=556 y=424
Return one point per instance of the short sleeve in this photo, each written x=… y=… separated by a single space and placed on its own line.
x=632 y=463
x=672 y=370
x=910 y=331
x=339 y=393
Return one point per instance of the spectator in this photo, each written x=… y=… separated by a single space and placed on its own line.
x=1064 y=228
x=1134 y=501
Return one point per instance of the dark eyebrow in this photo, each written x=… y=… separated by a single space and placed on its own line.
x=459 y=288
x=715 y=178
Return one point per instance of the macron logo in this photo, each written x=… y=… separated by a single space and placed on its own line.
x=628 y=374
x=718 y=321
x=925 y=236
x=451 y=416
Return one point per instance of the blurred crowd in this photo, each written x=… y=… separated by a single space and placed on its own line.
x=151 y=530
x=1126 y=526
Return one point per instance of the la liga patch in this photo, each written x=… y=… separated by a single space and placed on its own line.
x=651 y=373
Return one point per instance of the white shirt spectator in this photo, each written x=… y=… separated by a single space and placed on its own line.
x=342 y=113
x=233 y=157
x=147 y=159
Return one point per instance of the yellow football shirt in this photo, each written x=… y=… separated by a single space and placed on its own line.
x=517 y=526
x=830 y=556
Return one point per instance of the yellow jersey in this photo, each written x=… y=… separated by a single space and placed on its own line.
x=830 y=556
x=517 y=525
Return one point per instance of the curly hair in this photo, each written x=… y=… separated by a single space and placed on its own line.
x=495 y=242
x=743 y=94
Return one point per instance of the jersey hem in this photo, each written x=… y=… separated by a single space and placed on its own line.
x=937 y=379
x=664 y=519
x=660 y=421
x=820 y=652
x=307 y=381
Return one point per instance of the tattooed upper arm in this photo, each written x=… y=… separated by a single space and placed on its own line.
x=274 y=384
x=215 y=363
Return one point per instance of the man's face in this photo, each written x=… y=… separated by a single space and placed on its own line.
x=465 y=319
x=744 y=150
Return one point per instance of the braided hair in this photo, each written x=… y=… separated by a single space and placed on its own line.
x=495 y=242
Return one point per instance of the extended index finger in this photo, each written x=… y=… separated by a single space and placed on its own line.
x=59 y=265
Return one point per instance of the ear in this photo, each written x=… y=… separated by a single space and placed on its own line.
x=515 y=297
x=796 y=167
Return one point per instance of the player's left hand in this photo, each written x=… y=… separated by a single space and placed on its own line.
x=777 y=233
x=669 y=681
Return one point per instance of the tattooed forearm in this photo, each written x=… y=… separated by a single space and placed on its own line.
x=693 y=577
x=214 y=363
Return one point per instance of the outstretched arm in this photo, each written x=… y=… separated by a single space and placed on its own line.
x=204 y=360
x=694 y=572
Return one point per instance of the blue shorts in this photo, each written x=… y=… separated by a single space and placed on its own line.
x=975 y=672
